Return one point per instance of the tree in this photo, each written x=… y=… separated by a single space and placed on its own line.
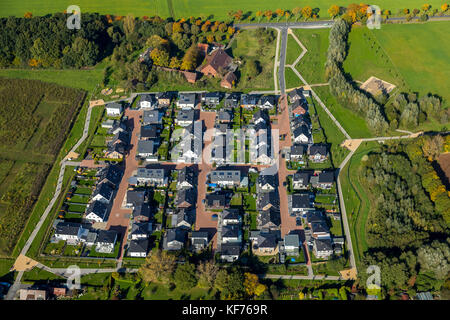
x=207 y=272
x=268 y=14
x=280 y=13
x=185 y=277
x=252 y=285
x=29 y=15
x=221 y=280
x=190 y=58
x=175 y=63
x=238 y=15
x=129 y=23
x=252 y=68
x=160 y=57
x=177 y=27
x=296 y=12
x=444 y=7
x=333 y=11
x=307 y=12
x=158 y=267
x=287 y=15
x=223 y=27
x=426 y=7
x=433 y=147
x=259 y=14
x=435 y=258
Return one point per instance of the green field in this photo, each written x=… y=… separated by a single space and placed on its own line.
x=312 y=65
x=417 y=54
x=82 y=79
x=218 y=9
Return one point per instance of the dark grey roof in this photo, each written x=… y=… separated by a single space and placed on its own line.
x=163 y=95
x=323 y=244
x=186 y=115
x=264 y=99
x=225 y=175
x=318 y=149
x=228 y=249
x=185 y=215
x=217 y=199
x=122 y=136
x=298 y=149
x=98 y=208
x=140 y=228
x=186 y=174
x=140 y=246
x=326 y=177
x=68 y=228
x=111 y=173
x=302 y=177
x=225 y=115
x=301 y=200
x=249 y=99
x=303 y=129
x=261 y=113
x=292 y=240
x=186 y=98
x=267 y=198
x=152 y=117
x=230 y=231
x=185 y=195
x=267 y=240
x=295 y=94
x=149 y=131
x=142 y=210
x=150 y=173
x=230 y=214
x=176 y=234
x=319 y=227
x=136 y=197
x=214 y=95
x=267 y=179
x=199 y=234
x=106 y=236
x=103 y=189
x=270 y=216
x=114 y=105
x=314 y=216
x=148 y=97
x=146 y=146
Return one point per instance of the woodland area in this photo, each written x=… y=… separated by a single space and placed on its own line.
x=408 y=227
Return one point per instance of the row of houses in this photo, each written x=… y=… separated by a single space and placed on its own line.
x=149 y=136
x=189 y=100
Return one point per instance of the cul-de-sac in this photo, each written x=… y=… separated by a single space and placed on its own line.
x=224 y=150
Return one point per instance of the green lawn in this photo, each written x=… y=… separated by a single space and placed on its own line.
x=312 y=65
x=82 y=79
x=354 y=124
x=5 y=265
x=292 y=81
x=214 y=9
x=293 y=50
x=417 y=54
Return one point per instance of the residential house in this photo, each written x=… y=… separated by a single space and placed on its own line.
x=150 y=132
x=324 y=180
x=264 y=243
x=70 y=232
x=229 y=80
x=299 y=108
x=184 y=218
x=320 y=230
x=199 y=240
x=106 y=241
x=103 y=193
x=185 y=198
x=261 y=116
x=230 y=216
x=217 y=61
x=269 y=219
x=135 y=198
x=231 y=233
x=115 y=151
x=152 y=117
x=140 y=230
x=292 y=244
x=148 y=101
x=295 y=95
x=174 y=239
x=322 y=248
x=185 y=117
x=141 y=212
x=146 y=149
x=211 y=99
x=96 y=212
x=225 y=116
x=249 y=101
x=111 y=174
x=302 y=134
x=267 y=182
x=266 y=102
x=108 y=123
x=225 y=178
x=164 y=99
x=186 y=178
x=232 y=100
x=186 y=100
x=267 y=200
x=149 y=177
x=300 y=180
x=218 y=200
x=118 y=126
x=138 y=248
x=300 y=202
x=318 y=153
x=222 y=148
x=314 y=217
x=114 y=109
x=297 y=152
x=229 y=252
x=189 y=150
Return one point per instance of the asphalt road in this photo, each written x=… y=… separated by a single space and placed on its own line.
x=292 y=25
